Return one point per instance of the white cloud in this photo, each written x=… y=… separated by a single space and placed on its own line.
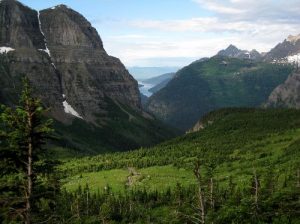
x=247 y=24
x=220 y=8
x=129 y=36
x=215 y=25
x=253 y=10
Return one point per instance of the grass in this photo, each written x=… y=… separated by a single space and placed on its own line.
x=156 y=178
x=237 y=142
x=99 y=181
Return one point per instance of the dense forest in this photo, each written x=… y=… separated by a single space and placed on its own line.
x=243 y=167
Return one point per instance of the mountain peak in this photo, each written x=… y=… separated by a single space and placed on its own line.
x=61 y=6
x=293 y=39
x=234 y=52
x=232 y=47
x=286 y=51
x=230 y=51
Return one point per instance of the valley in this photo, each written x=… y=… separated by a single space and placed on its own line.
x=235 y=143
x=86 y=137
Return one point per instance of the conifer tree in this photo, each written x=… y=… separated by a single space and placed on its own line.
x=23 y=133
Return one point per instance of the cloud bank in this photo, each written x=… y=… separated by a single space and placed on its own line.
x=247 y=24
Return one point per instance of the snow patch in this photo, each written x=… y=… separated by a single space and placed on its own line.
x=46 y=50
x=294 y=58
x=5 y=49
x=70 y=110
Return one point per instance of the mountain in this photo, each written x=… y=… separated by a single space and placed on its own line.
x=233 y=52
x=286 y=51
x=141 y=73
x=159 y=82
x=149 y=86
x=159 y=86
x=63 y=57
x=159 y=79
x=214 y=83
x=286 y=95
x=144 y=99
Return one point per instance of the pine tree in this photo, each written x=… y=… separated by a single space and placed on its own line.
x=200 y=217
x=23 y=133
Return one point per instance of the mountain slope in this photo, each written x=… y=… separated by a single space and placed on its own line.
x=88 y=74
x=215 y=83
x=287 y=51
x=235 y=145
x=64 y=59
x=141 y=73
x=286 y=95
x=158 y=79
x=159 y=86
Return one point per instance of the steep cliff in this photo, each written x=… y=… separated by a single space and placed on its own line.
x=286 y=51
x=63 y=57
x=19 y=30
x=286 y=95
x=88 y=74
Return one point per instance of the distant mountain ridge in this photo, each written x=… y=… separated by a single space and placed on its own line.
x=287 y=51
x=232 y=78
x=159 y=79
x=142 y=73
x=159 y=82
x=233 y=52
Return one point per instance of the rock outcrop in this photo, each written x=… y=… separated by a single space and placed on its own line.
x=286 y=51
x=93 y=99
x=64 y=58
x=233 y=52
x=19 y=30
x=286 y=95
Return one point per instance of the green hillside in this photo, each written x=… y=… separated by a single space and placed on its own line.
x=215 y=83
x=119 y=130
x=236 y=147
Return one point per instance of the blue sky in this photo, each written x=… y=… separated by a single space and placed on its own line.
x=176 y=32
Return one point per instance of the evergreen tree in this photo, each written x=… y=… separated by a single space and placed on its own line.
x=23 y=133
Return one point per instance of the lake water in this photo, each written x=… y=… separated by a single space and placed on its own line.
x=145 y=88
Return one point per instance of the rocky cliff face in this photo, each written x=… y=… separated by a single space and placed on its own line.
x=64 y=58
x=287 y=51
x=94 y=100
x=233 y=52
x=88 y=74
x=286 y=95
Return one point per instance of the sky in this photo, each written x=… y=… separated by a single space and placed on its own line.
x=176 y=32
